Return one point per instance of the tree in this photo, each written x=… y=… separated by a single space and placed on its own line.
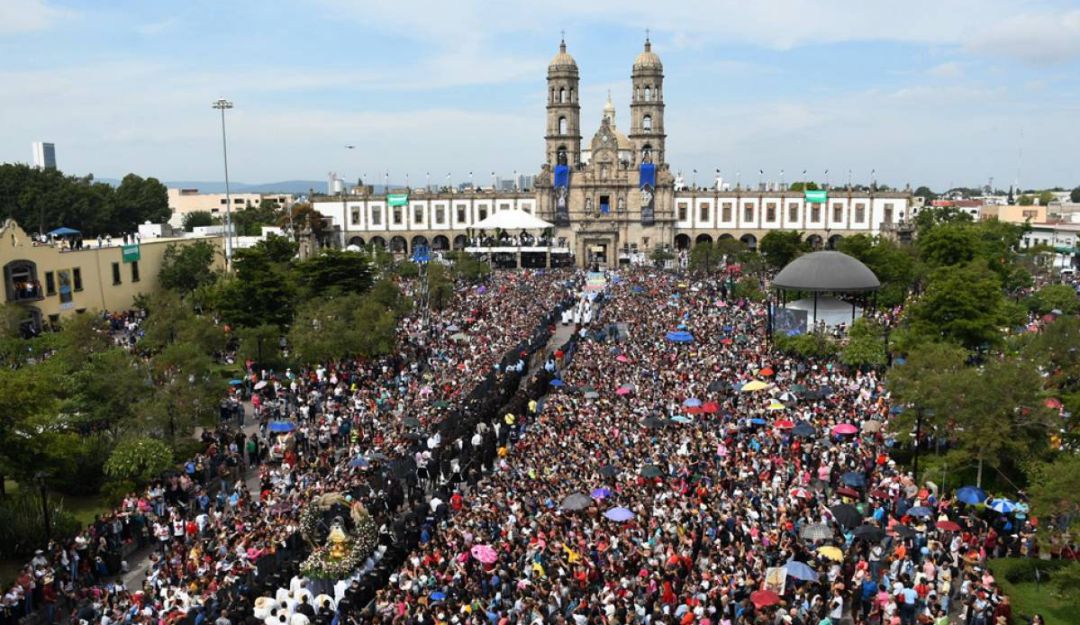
x=1060 y=297
x=892 y=264
x=865 y=346
x=334 y=272
x=302 y=217
x=139 y=459
x=730 y=247
x=1045 y=198
x=1074 y=196
x=343 y=326
x=749 y=287
x=804 y=186
x=780 y=247
x=197 y=219
x=933 y=216
x=262 y=289
x=187 y=267
x=705 y=258
x=186 y=392
x=925 y=193
x=963 y=304
x=1054 y=486
x=262 y=345
x=440 y=286
x=138 y=200
x=172 y=320
x=468 y=268
x=948 y=244
x=250 y=220
x=1026 y=200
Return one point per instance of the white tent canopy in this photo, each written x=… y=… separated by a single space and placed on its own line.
x=831 y=310
x=512 y=219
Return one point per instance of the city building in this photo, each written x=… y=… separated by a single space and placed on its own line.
x=44 y=155
x=183 y=202
x=49 y=280
x=1014 y=214
x=615 y=198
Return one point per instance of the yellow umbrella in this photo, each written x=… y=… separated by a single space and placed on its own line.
x=775 y=405
x=832 y=553
x=755 y=385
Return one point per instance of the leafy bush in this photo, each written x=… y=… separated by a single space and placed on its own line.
x=22 y=527
x=811 y=345
x=139 y=459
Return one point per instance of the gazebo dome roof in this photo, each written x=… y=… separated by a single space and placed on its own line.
x=826 y=271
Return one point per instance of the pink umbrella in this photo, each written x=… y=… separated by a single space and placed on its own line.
x=845 y=428
x=484 y=553
x=622 y=390
x=622 y=358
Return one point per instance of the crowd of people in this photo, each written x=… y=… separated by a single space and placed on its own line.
x=652 y=486
x=633 y=478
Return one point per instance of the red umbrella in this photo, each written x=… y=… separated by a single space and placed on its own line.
x=622 y=358
x=784 y=424
x=695 y=410
x=801 y=493
x=711 y=407
x=948 y=526
x=880 y=494
x=767 y=371
x=764 y=598
x=847 y=491
x=726 y=341
x=1053 y=402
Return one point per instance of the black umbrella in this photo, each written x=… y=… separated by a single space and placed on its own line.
x=403 y=467
x=803 y=429
x=411 y=422
x=717 y=387
x=416 y=436
x=854 y=478
x=575 y=502
x=903 y=531
x=378 y=455
x=654 y=423
x=846 y=515
x=869 y=533
x=651 y=471
x=608 y=471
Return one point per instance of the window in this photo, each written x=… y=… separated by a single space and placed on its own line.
x=1030 y=214
x=135 y=271
x=888 y=213
x=397 y=216
x=748 y=211
x=703 y=212
x=376 y=216
x=562 y=95
x=77 y=278
x=646 y=122
x=770 y=211
x=562 y=125
x=815 y=212
x=727 y=211
x=860 y=213
x=504 y=206
x=793 y=211
x=482 y=214
x=238 y=201
x=222 y=201
x=645 y=242
x=50 y=283
x=356 y=216
x=838 y=212
x=418 y=214
x=116 y=273
x=648 y=94
x=63 y=279
x=682 y=211
x=440 y=215
x=461 y=214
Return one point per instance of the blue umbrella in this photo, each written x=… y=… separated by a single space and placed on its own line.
x=680 y=337
x=63 y=231
x=359 y=461
x=693 y=402
x=438 y=596
x=804 y=430
x=1003 y=506
x=801 y=570
x=281 y=426
x=619 y=514
x=896 y=410
x=757 y=421
x=637 y=289
x=681 y=326
x=854 y=479
x=921 y=511
x=236 y=382
x=557 y=383
x=682 y=419
x=971 y=495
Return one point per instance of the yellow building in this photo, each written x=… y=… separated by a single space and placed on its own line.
x=1014 y=214
x=50 y=280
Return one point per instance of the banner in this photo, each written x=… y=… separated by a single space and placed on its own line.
x=397 y=199
x=647 y=184
x=775 y=579
x=562 y=196
x=816 y=197
x=131 y=253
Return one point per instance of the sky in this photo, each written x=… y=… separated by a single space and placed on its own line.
x=937 y=92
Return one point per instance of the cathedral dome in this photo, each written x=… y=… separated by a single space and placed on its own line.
x=648 y=59
x=562 y=60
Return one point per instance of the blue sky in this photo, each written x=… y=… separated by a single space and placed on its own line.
x=938 y=92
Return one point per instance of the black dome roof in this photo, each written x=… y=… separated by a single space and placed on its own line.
x=826 y=271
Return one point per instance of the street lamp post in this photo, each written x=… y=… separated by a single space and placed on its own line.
x=222 y=105
x=41 y=476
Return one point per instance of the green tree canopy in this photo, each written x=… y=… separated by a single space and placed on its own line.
x=893 y=265
x=1074 y=195
x=250 y=220
x=334 y=272
x=865 y=346
x=139 y=459
x=138 y=200
x=1026 y=200
x=187 y=267
x=780 y=247
x=1060 y=297
x=1045 y=198
x=925 y=193
x=963 y=304
x=262 y=288
x=705 y=258
x=337 y=327
x=809 y=185
x=197 y=219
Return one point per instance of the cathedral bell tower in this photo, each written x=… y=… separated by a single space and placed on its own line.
x=563 y=137
x=647 y=107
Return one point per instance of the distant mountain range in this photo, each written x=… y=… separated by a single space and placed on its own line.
x=295 y=187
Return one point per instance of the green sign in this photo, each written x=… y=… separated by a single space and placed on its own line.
x=816 y=197
x=131 y=253
x=397 y=199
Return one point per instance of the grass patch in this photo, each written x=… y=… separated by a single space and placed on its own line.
x=1029 y=598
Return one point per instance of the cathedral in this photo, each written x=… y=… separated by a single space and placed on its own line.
x=612 y=200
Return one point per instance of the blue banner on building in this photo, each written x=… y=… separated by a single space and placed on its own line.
x=562 y=196
x=647 y=185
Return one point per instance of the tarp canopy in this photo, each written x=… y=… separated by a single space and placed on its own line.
x=63 y=231
x=512 y=219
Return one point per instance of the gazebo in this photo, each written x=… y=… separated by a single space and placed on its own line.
x=818 y=276
x=534 y=237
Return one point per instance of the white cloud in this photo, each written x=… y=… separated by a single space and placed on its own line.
x=20 y=16
x=951 y=69
x=1037 y=38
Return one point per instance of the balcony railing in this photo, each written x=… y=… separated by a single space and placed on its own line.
x=29 y=291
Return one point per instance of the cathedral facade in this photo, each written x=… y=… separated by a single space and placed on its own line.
x=613 y=198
